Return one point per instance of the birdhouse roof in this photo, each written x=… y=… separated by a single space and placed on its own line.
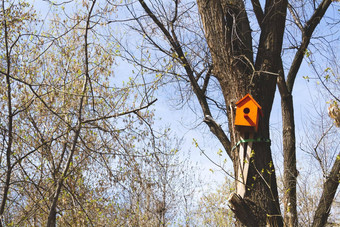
x=248 y=98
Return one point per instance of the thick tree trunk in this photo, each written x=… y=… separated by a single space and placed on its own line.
x=229 y=38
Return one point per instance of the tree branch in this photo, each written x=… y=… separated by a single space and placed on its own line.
x=118 y=114
x=172 y=39
x=258 y=11
x=306 y=37
x=296 y=19
x=271 y=38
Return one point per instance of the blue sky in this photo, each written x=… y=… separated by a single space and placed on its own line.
x=183 y=123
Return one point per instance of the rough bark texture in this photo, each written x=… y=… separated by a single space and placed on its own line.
x=229 y=38
x=240 y=208
x=289 y=154
x=290 y=171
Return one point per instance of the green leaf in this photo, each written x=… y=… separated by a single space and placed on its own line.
x=306 y=78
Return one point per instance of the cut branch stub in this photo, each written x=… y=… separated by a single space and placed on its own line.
x=242 y=210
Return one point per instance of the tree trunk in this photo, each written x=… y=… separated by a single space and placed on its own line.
x=289 y=154
x=229 y=39
x=289 y=161
x=10 y=126
x=329 y=189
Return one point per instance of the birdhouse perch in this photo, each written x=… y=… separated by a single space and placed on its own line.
x=248 y=113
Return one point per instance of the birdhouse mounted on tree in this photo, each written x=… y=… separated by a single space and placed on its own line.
x=248 y=113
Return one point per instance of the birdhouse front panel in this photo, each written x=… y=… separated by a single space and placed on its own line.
x=247 y=112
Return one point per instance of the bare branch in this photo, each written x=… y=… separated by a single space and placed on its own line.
x=258 y=11
x=119 y=114
x=295 y=17
x=172 y=38
x=306 y=37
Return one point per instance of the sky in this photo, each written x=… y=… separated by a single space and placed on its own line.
x=183 y=123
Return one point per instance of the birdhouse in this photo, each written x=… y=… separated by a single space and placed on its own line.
x=248 y=113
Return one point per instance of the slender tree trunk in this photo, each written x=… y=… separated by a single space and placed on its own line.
x=288 y=125
x=52 y=216
x=10 y=123
x=329 y=189
x=289 y=161
x=51 y=222
x=289 y=154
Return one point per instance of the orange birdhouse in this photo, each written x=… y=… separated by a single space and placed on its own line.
x=248 y=113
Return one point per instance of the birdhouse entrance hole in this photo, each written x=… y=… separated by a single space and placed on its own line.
x=246 y=110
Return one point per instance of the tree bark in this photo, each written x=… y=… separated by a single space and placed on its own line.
x=240 y=208
x=228 y=35
x=289 y=161
x=329 y=189
x=289 y=154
